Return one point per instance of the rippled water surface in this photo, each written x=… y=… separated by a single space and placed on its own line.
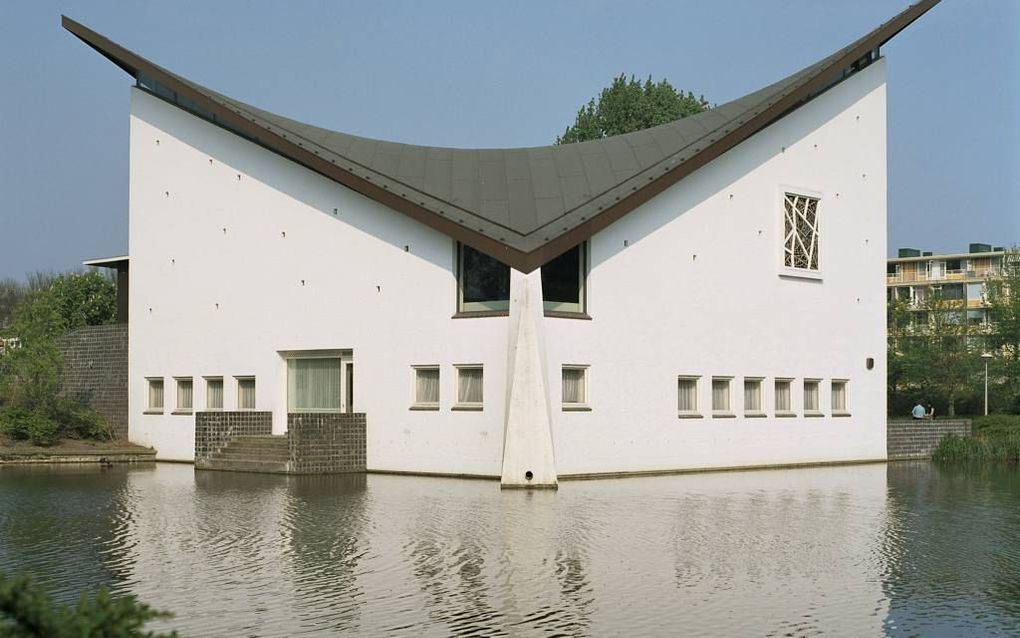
x=904 y=549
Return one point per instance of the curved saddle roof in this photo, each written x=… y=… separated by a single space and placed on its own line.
x=523 y=206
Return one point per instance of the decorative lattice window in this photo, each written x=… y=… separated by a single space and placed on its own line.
x=800 y=243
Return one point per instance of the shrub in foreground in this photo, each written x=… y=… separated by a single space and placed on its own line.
x=27 y=611
x=996 y=446
x=29 y=425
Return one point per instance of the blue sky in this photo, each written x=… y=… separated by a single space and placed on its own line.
x=491 y=74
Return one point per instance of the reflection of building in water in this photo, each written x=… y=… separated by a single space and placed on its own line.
x=327 y=538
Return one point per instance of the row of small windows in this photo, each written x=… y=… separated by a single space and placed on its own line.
x=753 y=400
x=185 y=395
x=470 y=395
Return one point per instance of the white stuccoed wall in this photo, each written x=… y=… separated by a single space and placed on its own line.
x=657 y=311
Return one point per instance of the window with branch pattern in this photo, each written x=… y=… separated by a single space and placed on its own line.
x=800 y=236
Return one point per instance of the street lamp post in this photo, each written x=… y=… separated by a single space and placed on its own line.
x=986 y=356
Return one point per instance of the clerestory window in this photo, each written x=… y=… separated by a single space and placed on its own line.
x=483 y=283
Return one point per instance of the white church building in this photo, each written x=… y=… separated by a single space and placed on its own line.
x=705 y=294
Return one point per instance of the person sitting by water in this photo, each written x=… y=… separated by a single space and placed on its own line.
x=930 y=414
x=918 y=412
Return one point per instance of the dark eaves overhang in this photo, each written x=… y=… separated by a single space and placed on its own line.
x=509 y=229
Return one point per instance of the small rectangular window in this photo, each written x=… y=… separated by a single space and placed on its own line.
x=784 y=402
x=155 y=395
x=185 y=395
x=721 y=396
x=426 y=388
x=575 y=387
x=840 y=397
x=687 y=396
x=811 y=405
x=469 y=387
x=752 y=397
x=214 y=393
x=245 y=393
x=563 y=281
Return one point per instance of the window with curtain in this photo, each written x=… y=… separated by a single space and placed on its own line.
x=426 y=386
x=313 y=384
x=687 y=395
x=839 y=396
x=155 y=403
x=721 y=395
x=575 y=391
x=811 y=395
x=214 y=393
x=469 y=386
x=563 y=281
x=784 y=400
x=752 y=395
x=483 y=282
x=185 y=394
x=245 y=393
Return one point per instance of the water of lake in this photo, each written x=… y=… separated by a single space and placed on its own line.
x=905 y=549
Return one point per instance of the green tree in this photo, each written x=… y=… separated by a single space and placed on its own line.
x=629 y=105
x=933 y=354
x=26 y=611
x=1003 y=295
x=31 y=405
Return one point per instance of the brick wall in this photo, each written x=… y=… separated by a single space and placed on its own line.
x=917 y=439
x=213 y=430
x=96 y=371
x=326 y=443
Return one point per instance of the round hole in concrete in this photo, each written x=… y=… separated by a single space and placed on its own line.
x=528 y=475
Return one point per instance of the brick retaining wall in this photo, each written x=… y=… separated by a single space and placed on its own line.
x=96 y=371
x=213 y=430
x=917 y=439
x=326 y=443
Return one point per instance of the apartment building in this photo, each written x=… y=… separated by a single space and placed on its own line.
x=914 y=275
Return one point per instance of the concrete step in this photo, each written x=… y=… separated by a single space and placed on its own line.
x=268 y=455
x=246 y=465
x=261 y=441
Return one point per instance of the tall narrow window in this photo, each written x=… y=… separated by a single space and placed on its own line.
x=800 y=232
x=575 y=387
x=811 y=405
x=687 y=396
x=155 y=395
x=483 y=282
x=752 y=397
x=721 y=396
x=313 y=384
x=214 y=393
x=469 y=388
x=245 y=393
x=426 y=388
x=840 y=399
x=784 y=400
x=563 y=281
x=185 y=395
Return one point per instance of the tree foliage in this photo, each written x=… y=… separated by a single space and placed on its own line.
x=1003 y=295
x=31 y=405
x=26 y=611
x=629 y=105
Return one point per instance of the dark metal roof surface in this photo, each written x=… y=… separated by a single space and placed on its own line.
x=523 y=206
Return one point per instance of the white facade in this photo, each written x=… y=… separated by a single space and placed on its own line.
x=238 y=254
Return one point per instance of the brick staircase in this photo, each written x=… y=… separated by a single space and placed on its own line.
x=268 y=454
